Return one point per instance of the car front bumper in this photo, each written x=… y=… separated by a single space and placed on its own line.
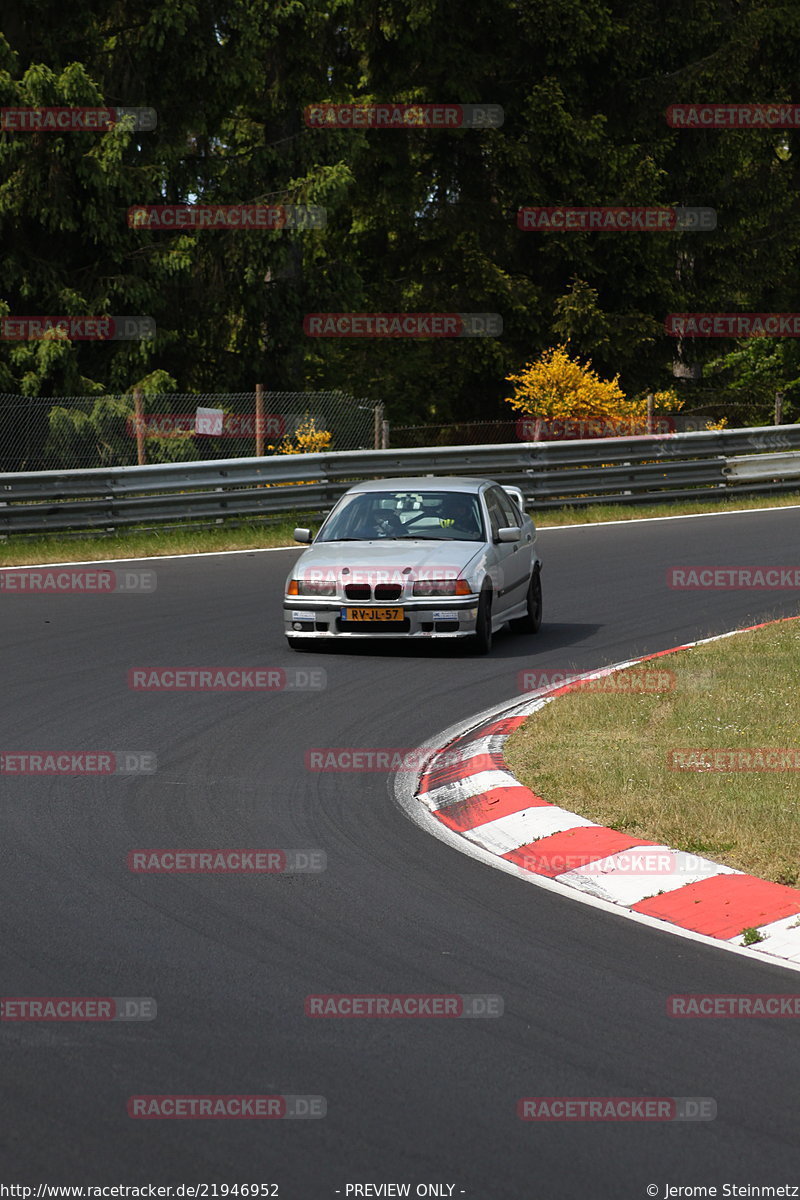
x=440 y=617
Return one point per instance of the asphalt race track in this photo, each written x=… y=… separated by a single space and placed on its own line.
x=231 y=958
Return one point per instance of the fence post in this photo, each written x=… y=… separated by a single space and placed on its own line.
x=377 y=426
x=138 y=418
x=384 y=435
x=651 y=423
x=779 y=408
x=259 y=420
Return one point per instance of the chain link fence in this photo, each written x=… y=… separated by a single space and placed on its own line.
x=114 y=430
x=521 y=428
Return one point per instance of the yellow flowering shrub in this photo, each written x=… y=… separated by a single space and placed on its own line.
x=307 y=439
x=557 y=388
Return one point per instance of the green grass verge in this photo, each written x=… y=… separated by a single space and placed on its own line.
x=145 y=543
x=605 y=755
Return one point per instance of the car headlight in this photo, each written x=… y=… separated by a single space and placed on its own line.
x=442 y=587
x=311 y=587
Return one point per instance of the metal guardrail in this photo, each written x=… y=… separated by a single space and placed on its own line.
x=550 y=474
x=764 y=466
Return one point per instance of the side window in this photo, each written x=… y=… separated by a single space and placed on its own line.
x=509 y=509
x=515 y=511
x=501 y=510
x=496 y=517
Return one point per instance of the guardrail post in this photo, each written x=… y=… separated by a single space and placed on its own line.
x=651 y=414
x=384 y=435
x=378 y=427
x=779 y=408
x=259 y=420
x=138 y=417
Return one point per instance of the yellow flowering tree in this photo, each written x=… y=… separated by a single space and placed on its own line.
x=307 y=439
x=557 y=388
x=666 y=401
x=562 y=392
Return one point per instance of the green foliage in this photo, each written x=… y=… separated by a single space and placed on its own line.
x=102 y=432
x=418 y=220
x=749 y=376
x=88 y=437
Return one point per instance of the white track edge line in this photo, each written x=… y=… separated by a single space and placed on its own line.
x=733 y=512
x=728 y=512
x=89 y=562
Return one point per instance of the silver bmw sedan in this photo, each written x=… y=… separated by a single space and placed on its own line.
x=417 y=558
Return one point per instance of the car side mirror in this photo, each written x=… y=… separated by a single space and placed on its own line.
x=511 y=533
x=302 y=535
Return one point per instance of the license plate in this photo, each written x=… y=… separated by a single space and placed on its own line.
x=372 y=614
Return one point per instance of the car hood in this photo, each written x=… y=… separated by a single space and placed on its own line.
x=388 y=555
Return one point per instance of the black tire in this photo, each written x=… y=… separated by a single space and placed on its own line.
x=532 y=621
x=482 y=641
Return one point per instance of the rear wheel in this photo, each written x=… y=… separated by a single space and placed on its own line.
x=482 y=642
x=531 y=622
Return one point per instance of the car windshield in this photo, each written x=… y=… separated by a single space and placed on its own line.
x=430 y=516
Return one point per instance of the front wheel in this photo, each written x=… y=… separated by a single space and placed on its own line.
x=482 y=642
x=531 y=622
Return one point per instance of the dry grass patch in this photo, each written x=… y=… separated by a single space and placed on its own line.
x=605 y=755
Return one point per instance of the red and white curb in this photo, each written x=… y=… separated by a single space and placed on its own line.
x=466 y=795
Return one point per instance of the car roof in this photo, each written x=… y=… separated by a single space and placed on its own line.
x=423 y=483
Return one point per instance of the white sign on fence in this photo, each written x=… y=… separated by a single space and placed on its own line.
x=209 y=421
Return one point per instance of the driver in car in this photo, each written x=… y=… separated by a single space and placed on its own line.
x=384 y=522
